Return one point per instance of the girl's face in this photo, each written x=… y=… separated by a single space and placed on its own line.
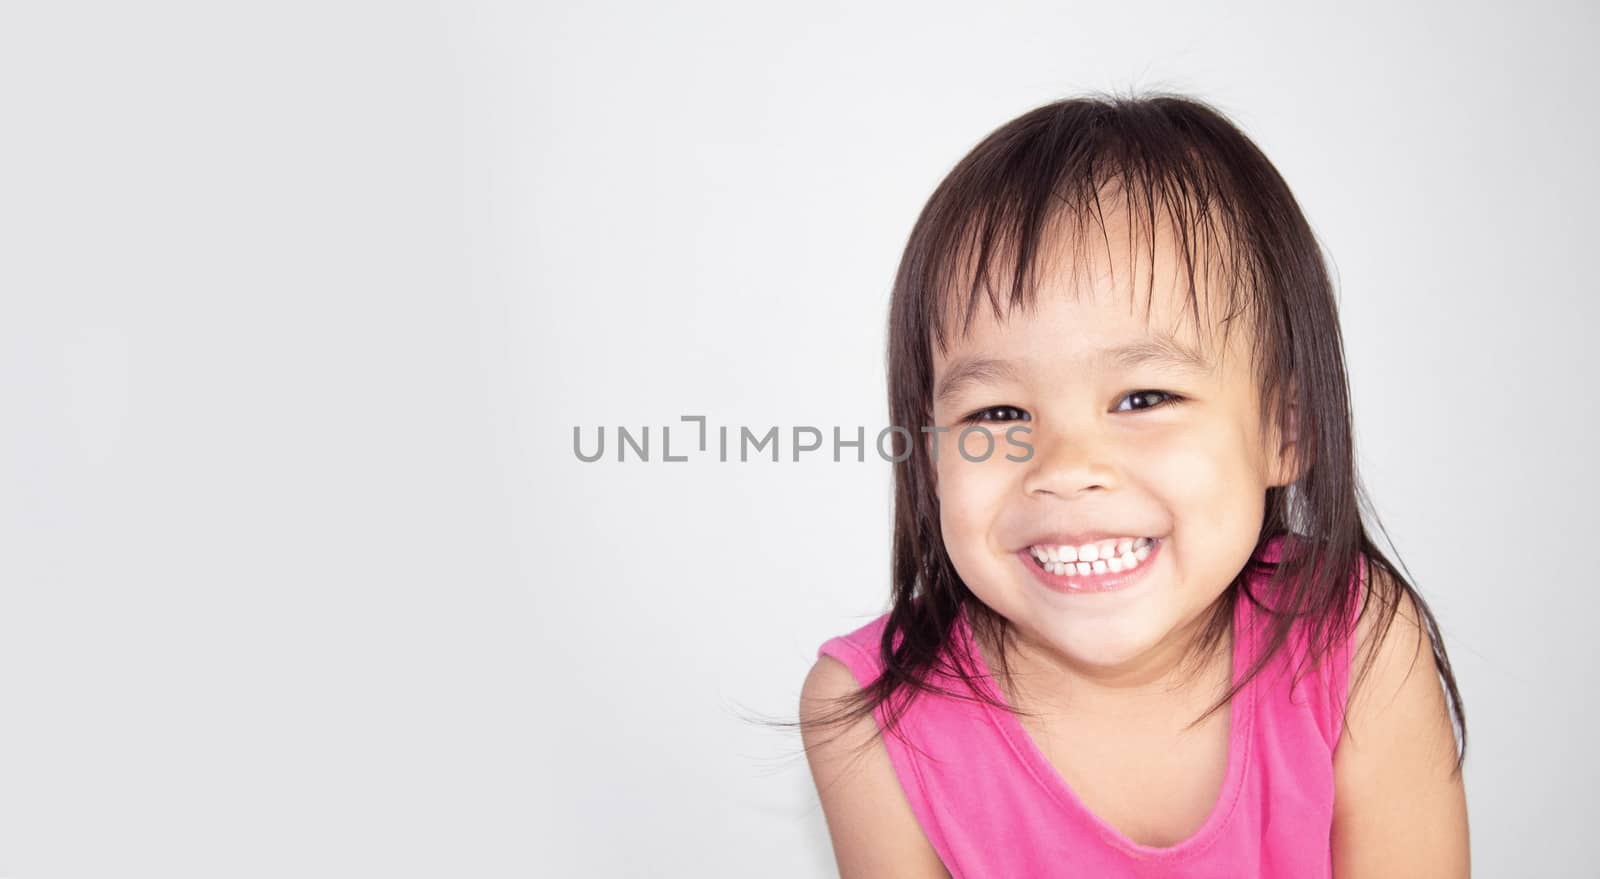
x=1113 y=454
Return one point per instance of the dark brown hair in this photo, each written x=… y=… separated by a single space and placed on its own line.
x=1179 y=159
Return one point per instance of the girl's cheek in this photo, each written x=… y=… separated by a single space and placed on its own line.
x=975 y=446
x=975 y=480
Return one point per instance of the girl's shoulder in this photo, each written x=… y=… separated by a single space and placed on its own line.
x=1397 y=771
x=859 y=649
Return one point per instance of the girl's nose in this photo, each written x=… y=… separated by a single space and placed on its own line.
x=1067 y=465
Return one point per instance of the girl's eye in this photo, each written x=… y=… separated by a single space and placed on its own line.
x=1000 y=414
x=1163 y=398
x=997 y=414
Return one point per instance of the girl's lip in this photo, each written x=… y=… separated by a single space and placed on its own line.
x=1091 y=583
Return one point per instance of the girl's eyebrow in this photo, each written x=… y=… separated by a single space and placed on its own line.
x=1163 y=350
x=973 y=370
x=1156 y=351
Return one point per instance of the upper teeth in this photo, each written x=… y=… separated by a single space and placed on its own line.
x=1116 y=554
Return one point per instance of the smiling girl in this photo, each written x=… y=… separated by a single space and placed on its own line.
x=1163 y=644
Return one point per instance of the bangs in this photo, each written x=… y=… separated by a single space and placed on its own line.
x=1038 y=194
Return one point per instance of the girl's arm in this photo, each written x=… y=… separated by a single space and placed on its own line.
x=875 y=834
x=1399 y=810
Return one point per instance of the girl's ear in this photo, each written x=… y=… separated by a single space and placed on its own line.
x=1286 y=466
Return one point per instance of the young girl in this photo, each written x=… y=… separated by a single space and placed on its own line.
x=1131 y=578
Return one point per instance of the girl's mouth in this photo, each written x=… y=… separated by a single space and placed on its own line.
x=1073 y=570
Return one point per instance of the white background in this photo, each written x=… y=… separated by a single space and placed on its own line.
x=301 y=302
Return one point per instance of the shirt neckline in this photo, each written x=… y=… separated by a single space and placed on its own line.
x=1045 y=774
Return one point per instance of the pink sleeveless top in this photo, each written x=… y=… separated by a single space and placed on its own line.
x=992 y=805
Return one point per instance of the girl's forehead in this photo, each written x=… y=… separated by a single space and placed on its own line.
x=1106 y=276
x=1060 y=319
